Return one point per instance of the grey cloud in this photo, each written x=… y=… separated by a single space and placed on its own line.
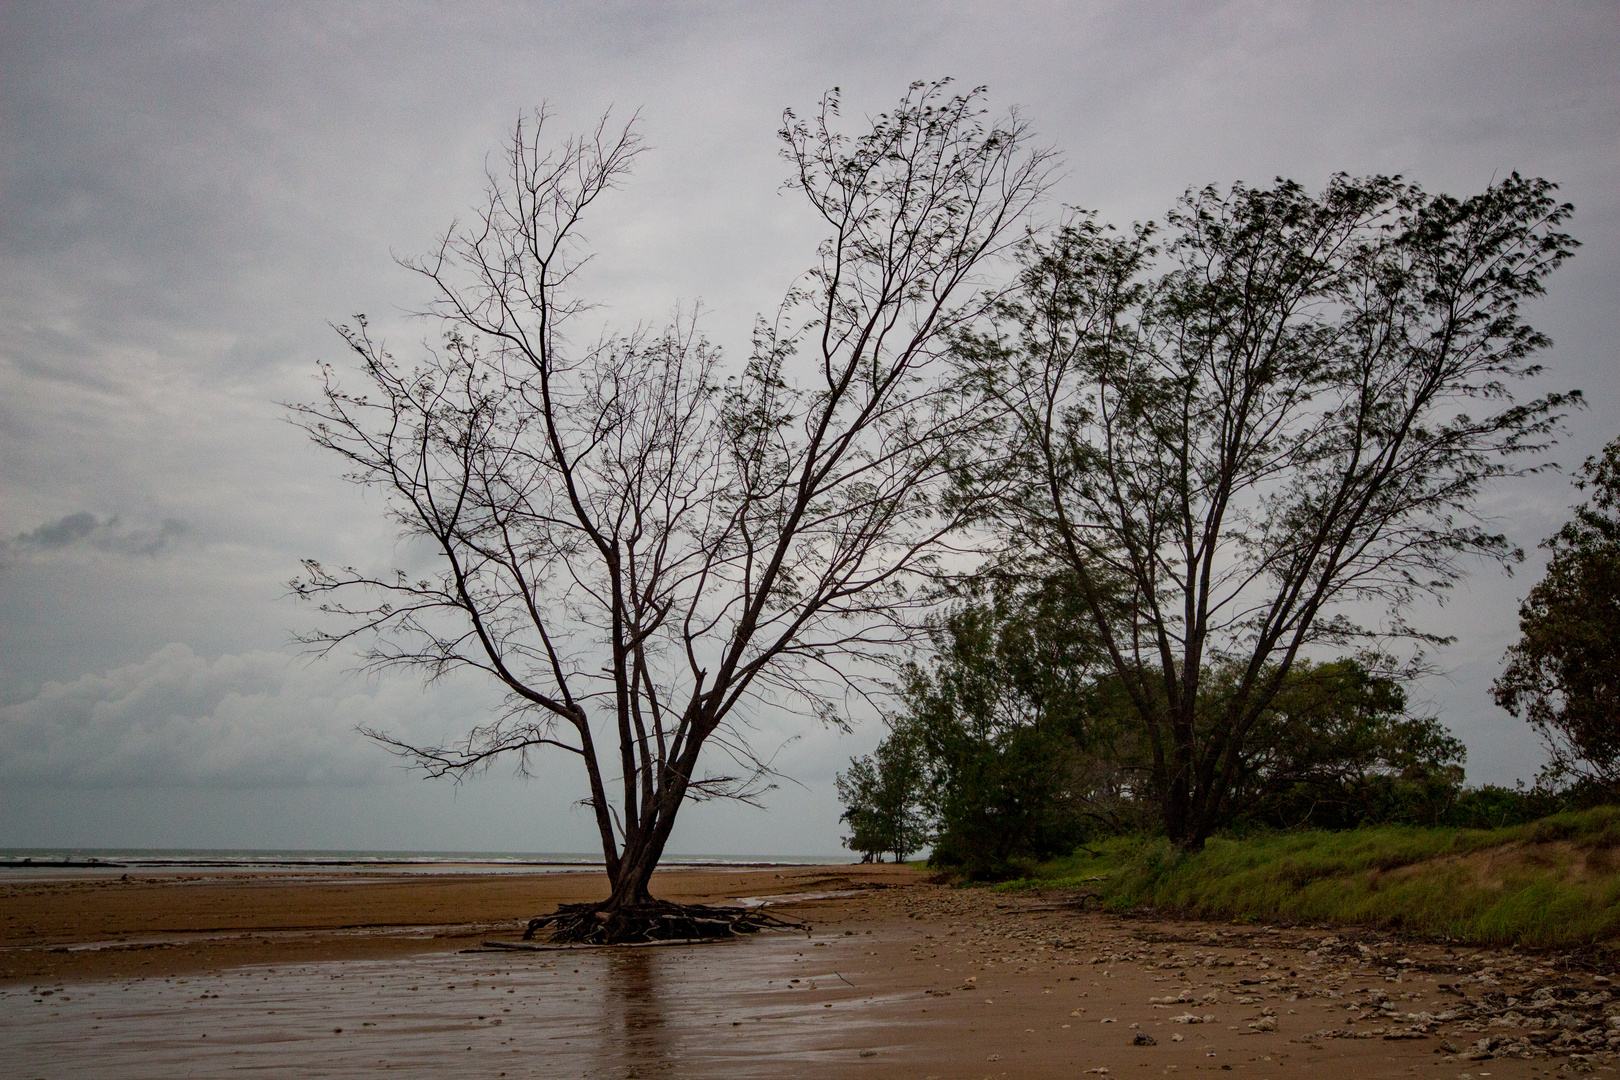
x=83 y=529
x=142 y=542
x=190 y=192
x=253 y=719
x=59 y=534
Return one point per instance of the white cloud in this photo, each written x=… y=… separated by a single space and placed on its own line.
x=251 y=719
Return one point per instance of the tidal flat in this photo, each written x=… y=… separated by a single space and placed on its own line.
x=288 y=975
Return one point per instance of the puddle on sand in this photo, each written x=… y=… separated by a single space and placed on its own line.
x=725 y=1010
x=138 y=942
x=792 y=898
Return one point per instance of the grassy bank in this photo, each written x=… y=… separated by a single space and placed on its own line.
x=1551 y=883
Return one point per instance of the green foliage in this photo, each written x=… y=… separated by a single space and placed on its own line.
x=1563 y=675
x=1479 y=886
x=880 y=794
x=1001 y=758
x=1336 y=748
x=1007 y=799
x=1016 y=742
x=1020 y=761
x=1492 y=806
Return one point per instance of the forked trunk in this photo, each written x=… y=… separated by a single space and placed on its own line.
x=637 y=862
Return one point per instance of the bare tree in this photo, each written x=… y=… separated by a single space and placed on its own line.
x=1240 y=439
x=636 y=547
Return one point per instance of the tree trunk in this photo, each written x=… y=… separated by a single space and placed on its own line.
x=1176 y=798
x=636 y=866
x=644 y=846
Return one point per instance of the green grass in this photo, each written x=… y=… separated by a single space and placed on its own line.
x=1553 y=883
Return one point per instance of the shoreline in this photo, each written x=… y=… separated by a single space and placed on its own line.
x=20 y=863
x=88 y=927
x=897 y=978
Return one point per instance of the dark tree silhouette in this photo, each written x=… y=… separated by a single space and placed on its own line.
x=1563 y=675
x=1236 y=438
x=634 y=545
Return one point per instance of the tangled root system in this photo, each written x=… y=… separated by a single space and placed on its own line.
x=657 y=920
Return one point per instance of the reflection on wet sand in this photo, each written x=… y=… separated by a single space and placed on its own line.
x=633 y=1022
x=740 y=1009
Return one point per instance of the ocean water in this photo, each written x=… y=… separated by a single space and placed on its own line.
x=92 y=860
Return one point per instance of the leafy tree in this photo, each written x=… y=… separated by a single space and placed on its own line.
x=1563 y=675
x=1002 y=720
x=1239 y=438
x=1337 y=748
x=882 y=795
x=1018 y=741
x=636 y=547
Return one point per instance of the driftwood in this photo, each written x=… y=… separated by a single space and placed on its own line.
x=535 y=946
x=591 y=924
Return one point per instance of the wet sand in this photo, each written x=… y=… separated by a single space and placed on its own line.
x=289 y=975
x=68 y=928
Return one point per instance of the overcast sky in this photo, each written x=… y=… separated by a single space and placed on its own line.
x=191 y=193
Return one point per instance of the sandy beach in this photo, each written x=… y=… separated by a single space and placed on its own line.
x=300 y=974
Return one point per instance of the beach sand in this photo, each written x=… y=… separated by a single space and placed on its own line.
x=297 y=974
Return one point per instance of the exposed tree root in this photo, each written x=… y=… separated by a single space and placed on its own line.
x=657 y=920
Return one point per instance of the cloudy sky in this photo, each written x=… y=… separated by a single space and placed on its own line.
x=191 y=193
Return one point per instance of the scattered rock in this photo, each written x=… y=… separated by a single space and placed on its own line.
x=1144 y=1039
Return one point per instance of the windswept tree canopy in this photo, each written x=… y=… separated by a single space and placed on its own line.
x=1243 y=430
